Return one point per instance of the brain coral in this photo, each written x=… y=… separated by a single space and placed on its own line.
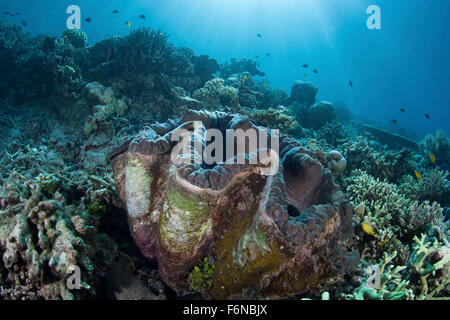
x=276 y=235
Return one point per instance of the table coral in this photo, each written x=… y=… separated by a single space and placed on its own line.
x=278 y=234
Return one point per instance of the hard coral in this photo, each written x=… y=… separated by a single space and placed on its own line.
x=439 y=145
x=303 y=93
x=77 y=38
x=278 y=234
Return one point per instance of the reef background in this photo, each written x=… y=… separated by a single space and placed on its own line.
x=65 y=105
x=403 y=65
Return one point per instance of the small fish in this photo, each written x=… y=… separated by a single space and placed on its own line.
x=115 y=11
x=394 y=121
x=432 y=158
x=128 y=23
x=305 y=66
x=368 y=228
x=315 y=71
x=142 y=16
x=350 y=83
x=259 y=35
x=427 y=116
x=6 y=12
x=88 y=19
x=402 y=110
x=257 y=57
x=418 y=175
x=265 y=84
x=268 y=54
x=24 y=23
x=65 y=37
x=244 y=77
x=305 y=76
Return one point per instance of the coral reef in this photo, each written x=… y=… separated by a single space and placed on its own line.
x=439 y=145
x=277 y=234
x=240 y=66
x=214 y=231
x=279 y=118
x=390 y=284
x=77 y=38
x=215 y=95
x=303 y=93
x=425 y=268
x=317 y=115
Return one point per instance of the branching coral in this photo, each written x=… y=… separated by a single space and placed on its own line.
x=420 y=260
x=434 y=186
x=77 y=38
x=383 y=203
x=421 y=218
x=383 y=282
x=439 y=145
x=392 y=165
x=274 y=118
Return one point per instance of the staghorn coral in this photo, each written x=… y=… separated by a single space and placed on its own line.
x=383 y=282
x=427 y=269
x=279 y=234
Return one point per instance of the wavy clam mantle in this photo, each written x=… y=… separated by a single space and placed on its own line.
x=275 y=235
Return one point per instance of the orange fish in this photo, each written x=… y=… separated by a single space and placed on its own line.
x=432 y=158
x=418 y=175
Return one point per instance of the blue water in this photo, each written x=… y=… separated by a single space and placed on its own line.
x=404 y=65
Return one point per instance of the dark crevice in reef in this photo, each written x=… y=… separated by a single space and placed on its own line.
x=115 y=224
x=293 y=211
